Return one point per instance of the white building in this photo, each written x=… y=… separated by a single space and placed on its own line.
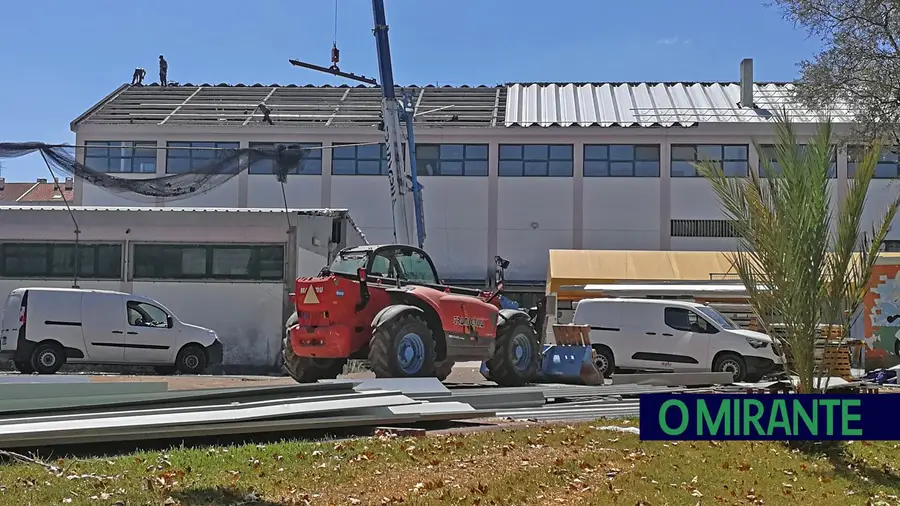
x=230 y=270
x=513 y=170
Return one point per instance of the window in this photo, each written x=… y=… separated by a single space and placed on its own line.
x=311 y=165
x=686 y=320
x=403 y=263
x=887 y=167
x=553 y=160
x=621 y=160
x=163 y=261
x=718 y=318
x=702 y=228
x=452 y=159
x=768 y=153
x=57 y=260
x=186 y=157
x=891 y=246
x=117 y=156
x=368 y=160
x=731 y=158
x=142 y=314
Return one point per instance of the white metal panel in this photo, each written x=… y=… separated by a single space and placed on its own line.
x=652 y=104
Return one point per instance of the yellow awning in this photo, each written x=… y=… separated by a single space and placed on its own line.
x=585 y=267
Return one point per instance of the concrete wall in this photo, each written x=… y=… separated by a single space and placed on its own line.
x=471 y=219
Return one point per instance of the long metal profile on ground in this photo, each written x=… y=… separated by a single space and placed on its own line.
x=36 y=415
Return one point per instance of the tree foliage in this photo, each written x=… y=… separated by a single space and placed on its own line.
x=859 y=65
x=801 y=264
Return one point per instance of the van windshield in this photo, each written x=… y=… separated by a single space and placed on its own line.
x=718 y=317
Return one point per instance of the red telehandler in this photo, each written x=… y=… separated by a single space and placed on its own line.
x=386 y=304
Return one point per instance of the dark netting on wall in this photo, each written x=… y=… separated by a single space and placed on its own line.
x=223 y=165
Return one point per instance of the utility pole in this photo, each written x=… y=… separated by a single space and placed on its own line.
x=406 y=202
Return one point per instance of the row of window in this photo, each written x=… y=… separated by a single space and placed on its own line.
x=515 y=160
x=149 y=261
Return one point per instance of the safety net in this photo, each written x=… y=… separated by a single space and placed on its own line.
x=213 y=169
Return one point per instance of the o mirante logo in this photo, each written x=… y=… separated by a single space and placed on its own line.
x=766 y=417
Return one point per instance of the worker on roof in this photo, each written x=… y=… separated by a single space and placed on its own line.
x=137 y=79
x=163 y=71
x=264 y=109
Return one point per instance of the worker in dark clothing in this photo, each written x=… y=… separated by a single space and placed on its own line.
x=264 y=109
x=163 y=71
x=137 y=79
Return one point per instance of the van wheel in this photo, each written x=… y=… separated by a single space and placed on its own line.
x=604 y=361
x=733 y=363
x=48 y=358
x=24 y=367
x=191 y=360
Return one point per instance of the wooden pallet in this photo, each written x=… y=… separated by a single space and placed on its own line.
x=572 y=335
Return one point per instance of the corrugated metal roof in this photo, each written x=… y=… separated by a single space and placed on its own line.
x=651 y=105
x=335 y=213
x=309 y=212
x=304 y=106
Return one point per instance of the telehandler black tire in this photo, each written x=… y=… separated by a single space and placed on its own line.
x=517 y=355
x=406 y=335
x=308 y=369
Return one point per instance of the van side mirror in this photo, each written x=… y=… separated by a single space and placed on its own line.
x=170 y=322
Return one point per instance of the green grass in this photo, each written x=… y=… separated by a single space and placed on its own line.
x=540 y=465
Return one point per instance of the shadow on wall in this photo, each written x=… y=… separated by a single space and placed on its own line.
x=248 y=317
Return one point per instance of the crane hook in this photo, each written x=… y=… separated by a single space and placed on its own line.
x=335 y=57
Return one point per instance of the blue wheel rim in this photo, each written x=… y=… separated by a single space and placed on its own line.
x=522 y=352
x=411 y=353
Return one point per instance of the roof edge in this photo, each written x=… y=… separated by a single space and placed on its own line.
x=73 y=125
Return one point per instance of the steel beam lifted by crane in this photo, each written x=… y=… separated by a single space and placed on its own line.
x=406 y=196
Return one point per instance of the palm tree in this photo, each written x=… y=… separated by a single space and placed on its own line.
x=801 y=266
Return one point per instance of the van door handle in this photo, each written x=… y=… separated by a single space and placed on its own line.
x=117 y=332
x=130 y=333
x=667 y=334
x=651 y=333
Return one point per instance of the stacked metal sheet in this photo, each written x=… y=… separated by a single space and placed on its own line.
x=77 y=412
x=32 y=415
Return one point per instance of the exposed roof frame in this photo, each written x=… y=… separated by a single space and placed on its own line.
x=175 y=110
x=252 y=114
x=338 y=107
x=496 y=107
x=99 y=105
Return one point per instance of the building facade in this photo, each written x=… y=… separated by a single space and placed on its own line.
x=190 y=260
x=514 y=170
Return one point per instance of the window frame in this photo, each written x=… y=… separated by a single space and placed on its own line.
x=421 y=160
x=852 y=161
x=524 y=159
x=176 y=149
x=109 y=147
x=722 y=160
x=128 y=304
x=160 y=250
x=765 y=151
x=377 y=253
x=383 y=169
x=609 y=160
x=313 y=156
x=707 y=328
x=50 y=271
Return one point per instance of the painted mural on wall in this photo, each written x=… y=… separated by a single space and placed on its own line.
x=882 y=310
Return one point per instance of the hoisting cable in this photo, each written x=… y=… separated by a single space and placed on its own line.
x=62 y=193
x=335 y=52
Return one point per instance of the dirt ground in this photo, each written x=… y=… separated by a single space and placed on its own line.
x=461 y=374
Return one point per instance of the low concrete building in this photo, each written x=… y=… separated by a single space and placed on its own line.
x=227 y=269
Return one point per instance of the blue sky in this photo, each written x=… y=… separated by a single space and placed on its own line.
x=59 y=57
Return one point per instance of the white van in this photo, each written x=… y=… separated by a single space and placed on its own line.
x=43 y=328
x=650 y=334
